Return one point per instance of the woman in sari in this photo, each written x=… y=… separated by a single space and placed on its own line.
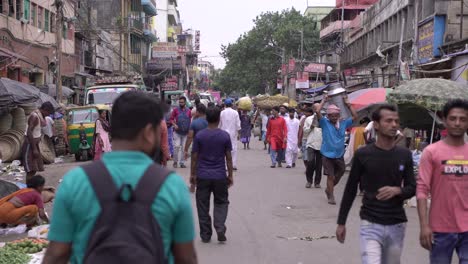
x=246 y=129
x=23 y=206
x=101 y=137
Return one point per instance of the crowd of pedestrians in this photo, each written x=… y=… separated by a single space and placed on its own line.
x=86 y=223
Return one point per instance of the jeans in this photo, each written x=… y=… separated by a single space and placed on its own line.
x=304 y=150
x=314 y=165
x=219 y=188
x=445 y=244
x=381 y=244
x=276 y=156
x=179 y=145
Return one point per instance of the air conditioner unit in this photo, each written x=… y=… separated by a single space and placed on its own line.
x=24 y=21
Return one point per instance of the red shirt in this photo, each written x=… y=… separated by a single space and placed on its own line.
x=31 y=198
x=443 y=173
x=277 y=132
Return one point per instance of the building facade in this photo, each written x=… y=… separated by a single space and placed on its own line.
x=167 y=21
x=28 y=41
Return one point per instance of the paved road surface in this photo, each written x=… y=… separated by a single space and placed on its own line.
x=270 y=205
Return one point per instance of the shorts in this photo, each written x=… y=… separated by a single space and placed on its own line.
x=334 y=167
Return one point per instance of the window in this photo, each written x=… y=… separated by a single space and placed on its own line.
x=52 y=22
x=135 y=44
x=1 y=6
x=26 y=9
x=19 y=9
x=33 y=14
x=40 y=17
x=11 y=8
x=46 y=21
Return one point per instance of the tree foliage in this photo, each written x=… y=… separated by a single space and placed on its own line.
x=253 y=61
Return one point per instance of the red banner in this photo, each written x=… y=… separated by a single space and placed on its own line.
x=292 y=65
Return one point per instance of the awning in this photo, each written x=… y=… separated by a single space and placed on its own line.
x=10 y=54
x=435 y=62
x=458 y=53
x=318 y=89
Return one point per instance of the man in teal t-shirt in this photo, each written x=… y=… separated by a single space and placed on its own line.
x=136 y=136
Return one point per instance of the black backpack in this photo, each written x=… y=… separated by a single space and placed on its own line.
x=125 y=231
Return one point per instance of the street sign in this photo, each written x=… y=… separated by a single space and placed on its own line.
x=196 y=47
x=315 y=67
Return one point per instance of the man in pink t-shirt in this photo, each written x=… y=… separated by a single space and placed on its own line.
x=443 y=176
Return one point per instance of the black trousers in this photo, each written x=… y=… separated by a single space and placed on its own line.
x=314 y=165
x=219 y=188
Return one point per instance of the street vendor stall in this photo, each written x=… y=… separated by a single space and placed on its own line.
x=422 y=98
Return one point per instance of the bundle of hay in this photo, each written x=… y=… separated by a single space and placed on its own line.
x=245 y=103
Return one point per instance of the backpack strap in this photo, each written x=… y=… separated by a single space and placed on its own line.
x=150 y=183
x=103 y=185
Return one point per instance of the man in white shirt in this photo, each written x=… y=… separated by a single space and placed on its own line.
x=230 y=122
x=314 y=144
x=291 y=147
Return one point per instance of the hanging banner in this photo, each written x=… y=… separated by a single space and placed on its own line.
x=291 y=65
x=302 y=80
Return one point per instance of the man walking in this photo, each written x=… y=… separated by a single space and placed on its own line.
x=443 y=176
x=307 y=111
x=198 y=124
x=31 y=154
x=180 y=119
x=78 y=207
x=277 y=133
x=292 y=150
x=313 y=146
x=385 y=172
x=230 y=122
x=210 y=154
x=333 y=145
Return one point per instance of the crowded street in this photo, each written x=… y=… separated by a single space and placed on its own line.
x=271 y=211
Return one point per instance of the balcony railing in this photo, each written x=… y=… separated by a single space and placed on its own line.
x=334 y=27
x=134 y=22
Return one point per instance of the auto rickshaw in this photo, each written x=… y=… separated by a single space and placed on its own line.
x=81 y=124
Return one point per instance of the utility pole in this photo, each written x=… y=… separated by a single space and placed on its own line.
x=58 y=41
x=461 y=18
x=400 y=50
x=416 y=33
x=302 y=44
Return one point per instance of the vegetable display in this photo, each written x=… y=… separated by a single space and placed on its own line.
x=9 y=256
x=27 y=245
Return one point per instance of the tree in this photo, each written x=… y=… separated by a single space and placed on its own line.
x=253 y=61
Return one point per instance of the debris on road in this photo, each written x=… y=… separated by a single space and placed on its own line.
x=308 y=238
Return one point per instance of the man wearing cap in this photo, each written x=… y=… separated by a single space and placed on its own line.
x=333 y=144
x=230 y=122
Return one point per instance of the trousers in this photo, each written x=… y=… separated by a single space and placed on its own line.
x=381 y=244
x=314 y=165
x=276 y=156
x=205 y=188
x=291 y=155
x=179 y=144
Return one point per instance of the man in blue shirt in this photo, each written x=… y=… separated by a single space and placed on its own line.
x=199 y=123
x=136 y=136
x=211 y=151
x=333 y=143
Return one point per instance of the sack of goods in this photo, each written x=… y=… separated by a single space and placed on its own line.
x=276 y=100
x=245 y=103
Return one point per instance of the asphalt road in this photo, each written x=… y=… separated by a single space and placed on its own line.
x=271 y=210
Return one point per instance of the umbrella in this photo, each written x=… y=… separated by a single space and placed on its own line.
x=367 y=97
x=429 y=93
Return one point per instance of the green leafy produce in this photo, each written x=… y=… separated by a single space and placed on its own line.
x=9 y=256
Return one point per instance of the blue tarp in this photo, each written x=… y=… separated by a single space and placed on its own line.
x=318 y=89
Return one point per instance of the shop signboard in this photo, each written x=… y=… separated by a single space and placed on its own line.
x=315 y=68
x=196 y=46
x=302 y=80
x=160 y=64
x=165 y=50
x=170 y=84
x=431 y=38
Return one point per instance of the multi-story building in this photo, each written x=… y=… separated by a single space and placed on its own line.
x=204 y=74
x=129 y=22
x=370 y=58
x=168 y=21
x=28 y=40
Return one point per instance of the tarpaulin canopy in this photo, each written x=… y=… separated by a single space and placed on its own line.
x=368 y=97
x=13 y=93
x=316 y=90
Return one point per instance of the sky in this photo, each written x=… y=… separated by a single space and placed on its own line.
x=222 y=21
